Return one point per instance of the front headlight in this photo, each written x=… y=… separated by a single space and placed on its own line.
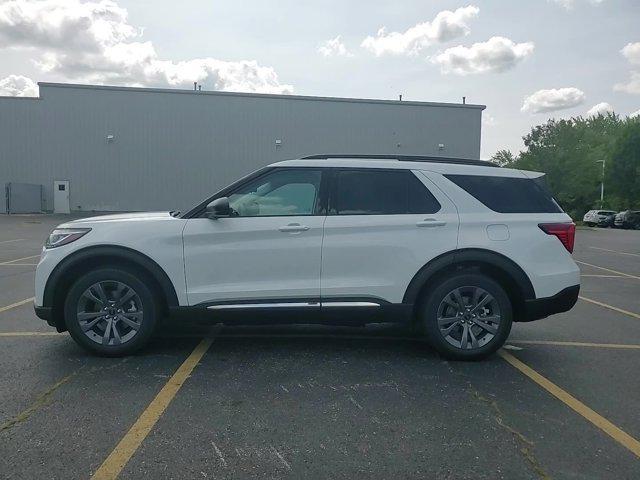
x=63 y=236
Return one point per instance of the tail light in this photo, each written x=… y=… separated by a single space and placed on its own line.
x=566 y=233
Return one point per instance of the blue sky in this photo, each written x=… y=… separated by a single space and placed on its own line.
x=565 y=56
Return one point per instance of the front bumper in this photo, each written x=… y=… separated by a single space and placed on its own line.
x=46 y=313
x=42 y=312
x=543 y=307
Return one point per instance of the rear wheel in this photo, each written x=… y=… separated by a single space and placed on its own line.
x=111 y=312
x=467 y=316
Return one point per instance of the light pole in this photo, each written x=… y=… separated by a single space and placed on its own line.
x=602 y=184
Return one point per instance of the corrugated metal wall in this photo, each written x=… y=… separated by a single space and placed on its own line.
x=172 y=148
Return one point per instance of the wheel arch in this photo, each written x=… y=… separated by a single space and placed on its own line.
x=495 y=265
x=63 y=275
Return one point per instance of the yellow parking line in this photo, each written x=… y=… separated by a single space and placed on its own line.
x=582 y=275
x=616 y=251
x=115 y=462
x=8 y=262
x=608 y=270
x=28 y=334
x=17 y=304
x=576 y=405
x=577 y=344
x=41 y=401
x=610 y=307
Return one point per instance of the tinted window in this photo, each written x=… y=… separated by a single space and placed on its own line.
x=507 y=194
x=280 y=193
x=381 y=192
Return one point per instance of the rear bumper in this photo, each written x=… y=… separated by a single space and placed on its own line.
x=543 y=307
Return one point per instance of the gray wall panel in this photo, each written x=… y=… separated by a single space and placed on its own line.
x=172 y=148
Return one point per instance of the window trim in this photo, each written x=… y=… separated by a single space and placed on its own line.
x=333 y=186
x=319 y=209
x=536 y=185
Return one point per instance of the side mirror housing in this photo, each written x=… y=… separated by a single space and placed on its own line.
x=218 y=208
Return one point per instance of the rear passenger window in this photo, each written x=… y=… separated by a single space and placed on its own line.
x=507 y=194
x=380 y=192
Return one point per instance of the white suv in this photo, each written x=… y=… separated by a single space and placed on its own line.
x=458 y=249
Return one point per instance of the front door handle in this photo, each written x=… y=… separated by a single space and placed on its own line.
x=293 y=228
x=430 y=222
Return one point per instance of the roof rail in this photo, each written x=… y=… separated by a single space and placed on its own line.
x=404 y=158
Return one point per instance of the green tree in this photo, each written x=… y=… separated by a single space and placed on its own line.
x=623 y=179
x=570 y=151
x=504 y=158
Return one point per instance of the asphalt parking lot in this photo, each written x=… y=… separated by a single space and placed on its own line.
x=560 y=401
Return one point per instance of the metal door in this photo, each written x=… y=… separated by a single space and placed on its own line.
x=61 y=196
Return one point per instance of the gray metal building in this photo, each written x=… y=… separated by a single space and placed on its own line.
x=124 y=149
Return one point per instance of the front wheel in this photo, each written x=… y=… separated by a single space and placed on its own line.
x=111 y=312
x=468 y=316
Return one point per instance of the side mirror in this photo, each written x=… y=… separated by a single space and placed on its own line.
x=218 y=208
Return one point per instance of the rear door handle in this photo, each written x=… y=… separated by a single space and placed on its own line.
x=430 y=222
x=293 y=228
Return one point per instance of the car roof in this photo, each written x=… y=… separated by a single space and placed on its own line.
x=402 y=162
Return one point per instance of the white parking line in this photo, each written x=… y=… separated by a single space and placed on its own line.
x=17 y=304
x=11 y=241
x=9 y=262
x=610 y=307
x=616 y=251
x=608 y=270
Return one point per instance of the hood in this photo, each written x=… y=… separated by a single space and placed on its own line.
x=122 y=217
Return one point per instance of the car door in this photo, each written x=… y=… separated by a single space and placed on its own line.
x=267 y=250
x=382 y=227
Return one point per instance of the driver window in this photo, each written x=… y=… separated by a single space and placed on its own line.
x=280 y=193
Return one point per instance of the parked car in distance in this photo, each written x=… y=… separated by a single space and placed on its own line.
x=601 y=218
x=455 y=249
x=627 y=219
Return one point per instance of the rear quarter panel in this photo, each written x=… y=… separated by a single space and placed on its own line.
x=542 y=257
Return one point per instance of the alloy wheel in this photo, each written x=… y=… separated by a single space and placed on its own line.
x=110 y=312
x=468 y=317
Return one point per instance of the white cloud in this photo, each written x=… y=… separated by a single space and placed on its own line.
x=334 y=48
x=569 y=4
x=93 y=42
x=634 y=114
x=18 y=86
x=601 y=108
x=497 y=54
x=632 y=86
x=446 y=26
x=631 y=52
x=488 y=120
x=553 y=99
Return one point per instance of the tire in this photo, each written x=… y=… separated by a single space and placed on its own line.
x=89 y=311
x=441 y=303
x=589 y=224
